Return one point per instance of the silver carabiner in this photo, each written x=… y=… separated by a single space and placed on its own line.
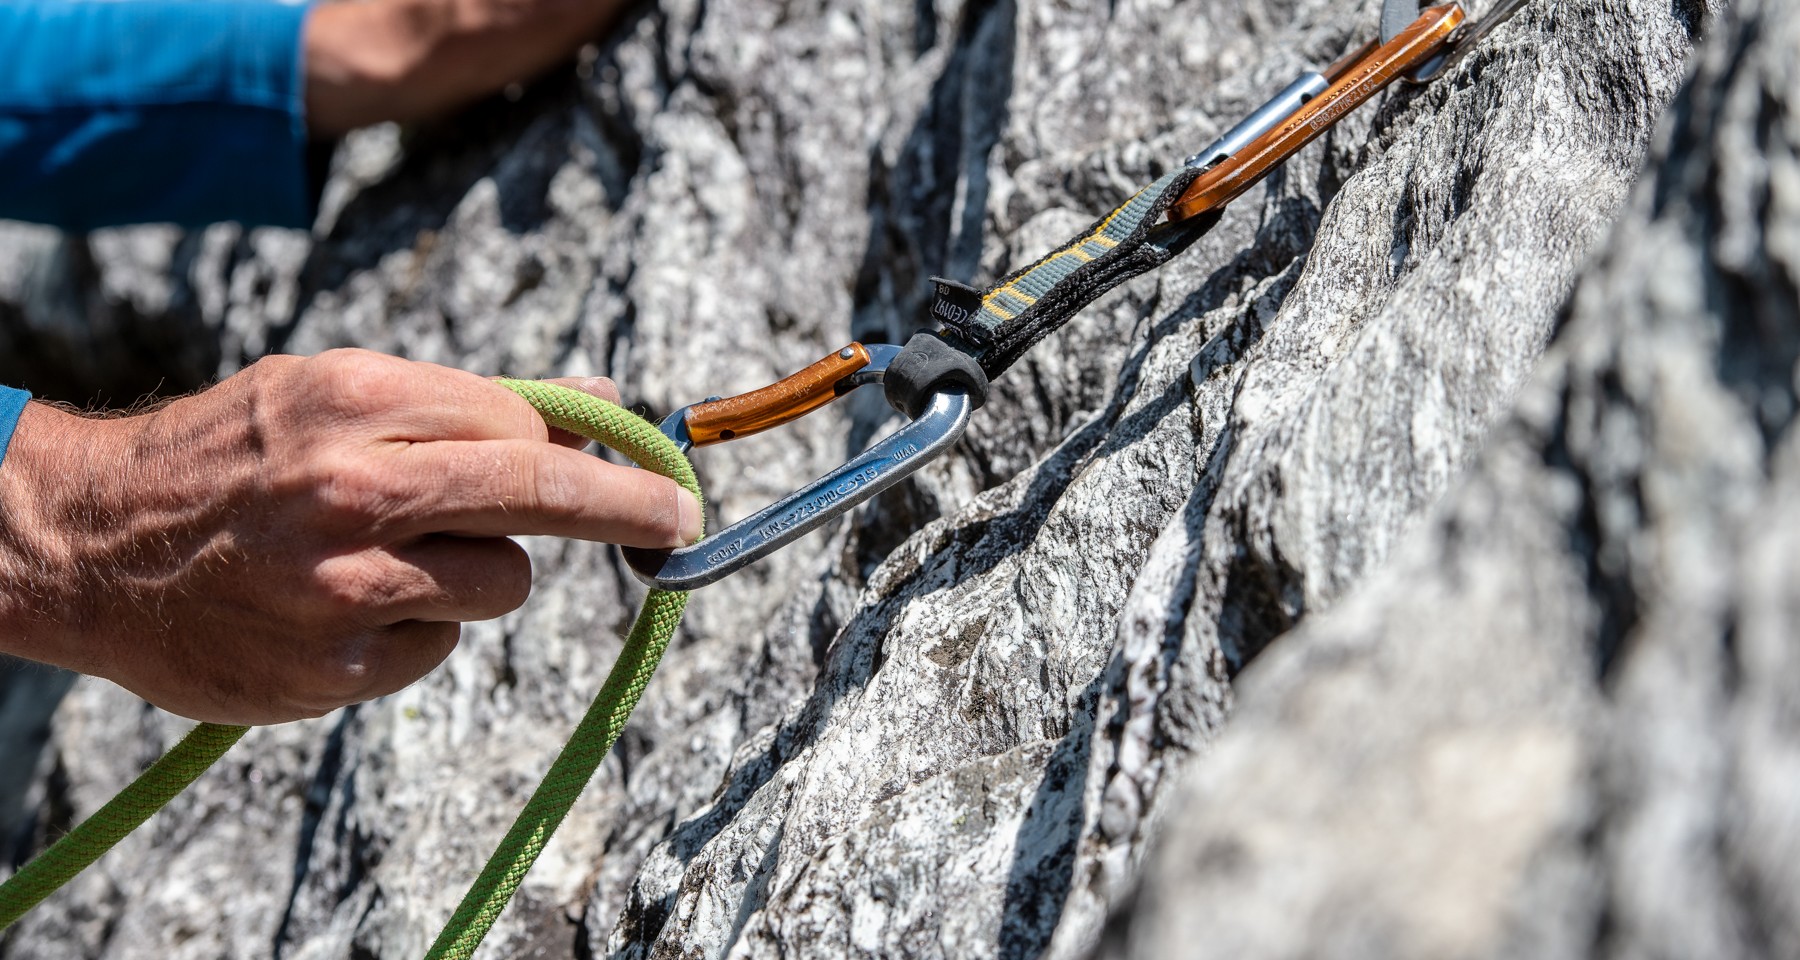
x=810 y=507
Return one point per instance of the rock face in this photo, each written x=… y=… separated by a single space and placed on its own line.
x=955 y=723
x=1562 y=722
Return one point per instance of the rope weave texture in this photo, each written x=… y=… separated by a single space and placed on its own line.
x=569 y=774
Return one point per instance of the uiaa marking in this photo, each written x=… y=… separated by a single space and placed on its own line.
x=1344 y=103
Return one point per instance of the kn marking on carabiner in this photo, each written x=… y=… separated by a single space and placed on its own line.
x=884 y=464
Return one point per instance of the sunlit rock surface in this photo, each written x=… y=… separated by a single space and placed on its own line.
x=952 y=724
x=1563 y=721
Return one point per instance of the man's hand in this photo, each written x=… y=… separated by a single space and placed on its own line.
x=304 y=535
x=411 y=59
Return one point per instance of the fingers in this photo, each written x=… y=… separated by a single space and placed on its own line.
x=411 y=401
x=410 y=650
x=435 y=578
x=371 y=664
x=397 y=612
x=600 y=387
x=505 y=488
x=445 y=451
x=405 y=400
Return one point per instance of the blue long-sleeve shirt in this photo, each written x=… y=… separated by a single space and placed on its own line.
x=12 y=403
x=180 y=111
x=175 y=111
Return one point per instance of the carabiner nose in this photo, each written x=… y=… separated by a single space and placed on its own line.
x=884 y=464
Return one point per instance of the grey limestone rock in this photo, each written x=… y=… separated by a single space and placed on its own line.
x=1562 y=722
x=951 y=724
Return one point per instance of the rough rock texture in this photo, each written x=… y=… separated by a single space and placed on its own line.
x=951 y=724
x=1563 y=723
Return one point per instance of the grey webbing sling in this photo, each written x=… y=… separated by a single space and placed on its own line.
x=996 y=325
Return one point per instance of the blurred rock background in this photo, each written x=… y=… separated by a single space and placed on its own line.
x=1407 y=570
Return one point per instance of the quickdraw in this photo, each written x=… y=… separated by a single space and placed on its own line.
x=938 y=379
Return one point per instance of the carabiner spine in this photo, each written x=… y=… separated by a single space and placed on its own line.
x=781 y=523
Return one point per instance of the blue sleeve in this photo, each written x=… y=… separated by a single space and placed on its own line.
x=12 y=403
x=182 y=111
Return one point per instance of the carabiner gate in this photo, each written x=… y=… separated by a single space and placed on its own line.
x=856 y=480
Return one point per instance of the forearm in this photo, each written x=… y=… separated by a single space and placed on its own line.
x=409 y=59
x=99 y=127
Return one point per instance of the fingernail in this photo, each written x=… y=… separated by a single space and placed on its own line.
x=691 y=527
x=601 y=387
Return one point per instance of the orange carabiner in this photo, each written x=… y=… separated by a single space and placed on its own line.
x=1355 y=79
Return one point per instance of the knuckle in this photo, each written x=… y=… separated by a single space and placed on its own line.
x=265 y=389
x=660 y=519
x=341 y=667
x=419 y=646
x=360 y=494
x=355 y=383
x=669 y=521
x=270 y=369
x=341 y=680
x=352 y=589
x=551 y=487
x=522 y=420
x=603 y=387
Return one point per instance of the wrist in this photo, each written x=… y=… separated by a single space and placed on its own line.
x=44 y=486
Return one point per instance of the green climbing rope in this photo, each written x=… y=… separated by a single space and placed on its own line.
x=594 y=735
x=561 y=407
x=121 y=815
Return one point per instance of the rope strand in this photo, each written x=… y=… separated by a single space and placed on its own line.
x=605 y=719
x=71 y=854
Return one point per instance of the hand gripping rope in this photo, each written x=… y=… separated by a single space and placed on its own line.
x=561 y=407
